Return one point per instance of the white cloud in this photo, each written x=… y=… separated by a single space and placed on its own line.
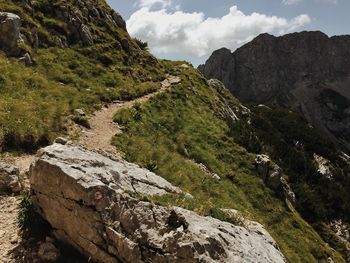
x=195 y=35
x=290 y=2
x=150 y=3
x=293 y=2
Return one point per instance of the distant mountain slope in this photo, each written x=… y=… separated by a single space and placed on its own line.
x=306 y=71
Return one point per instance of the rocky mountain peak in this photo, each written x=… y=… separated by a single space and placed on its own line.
x=298 y=70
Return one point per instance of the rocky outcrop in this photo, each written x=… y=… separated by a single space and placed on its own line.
x=91 y=202
x=79 y=20
x=272 y=176
x=9 y=178
x=119 y=20
x=224 y=106
x=9 y=33
x=306 y=71
x=323 y=166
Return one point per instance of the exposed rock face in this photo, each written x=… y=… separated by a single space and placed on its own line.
x=9 y=33
x=82 y=20
x=9 y=178
x=323 y=166
x=119 y=20
x=86 y=197
x=307 y=71
x=342 y=231
x=272 y=176
x=225 y=110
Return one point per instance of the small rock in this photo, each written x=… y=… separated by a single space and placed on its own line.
x=9 y=178
x=9 y=33
x=119 y=20
x=188 y=196
x=273 y=180
x=184 y=66
x=48 y=252
x=61 y=140
x=125 y=44
x=262 y=165
x=14 y=240
x=26 y=59
x=79 y=112
x=86 y=35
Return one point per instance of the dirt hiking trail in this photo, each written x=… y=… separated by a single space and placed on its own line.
x=99 y=137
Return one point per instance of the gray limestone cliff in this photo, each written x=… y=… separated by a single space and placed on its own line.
x=308 y=72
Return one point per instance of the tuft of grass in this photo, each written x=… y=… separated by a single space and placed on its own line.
x=28 y=218
x=235 y=219
x=143 y=45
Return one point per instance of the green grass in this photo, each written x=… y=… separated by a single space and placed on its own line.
x=35 y=102
x=182 y=126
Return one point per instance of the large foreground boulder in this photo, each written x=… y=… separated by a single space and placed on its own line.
x=9 y=33
x=91 y=202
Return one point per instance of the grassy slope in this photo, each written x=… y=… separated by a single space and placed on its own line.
x=35 y=101
x=182 y=125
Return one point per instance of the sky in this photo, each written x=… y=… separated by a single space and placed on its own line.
x=192 y=29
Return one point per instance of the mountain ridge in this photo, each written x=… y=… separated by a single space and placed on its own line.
x=306 y=71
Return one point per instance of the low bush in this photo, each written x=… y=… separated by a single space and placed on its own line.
x=29 y=220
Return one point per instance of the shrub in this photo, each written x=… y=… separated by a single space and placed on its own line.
x=28 y=218
x=233 y=218
x=143 y=45
x=151 y=166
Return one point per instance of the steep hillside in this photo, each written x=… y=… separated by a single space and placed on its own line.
x=185 y=135
x=306 y=71
x=62 y=55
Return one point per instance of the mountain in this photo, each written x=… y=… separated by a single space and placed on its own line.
x=307 y=71
x=159 y=163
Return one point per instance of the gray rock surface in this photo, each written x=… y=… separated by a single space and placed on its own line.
x=272 y=176
x=79 y=112
x=9 y=33
x=306 y=71
x=119 y=20
x=88 y=199
x=86 y=35
x=9 y=178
